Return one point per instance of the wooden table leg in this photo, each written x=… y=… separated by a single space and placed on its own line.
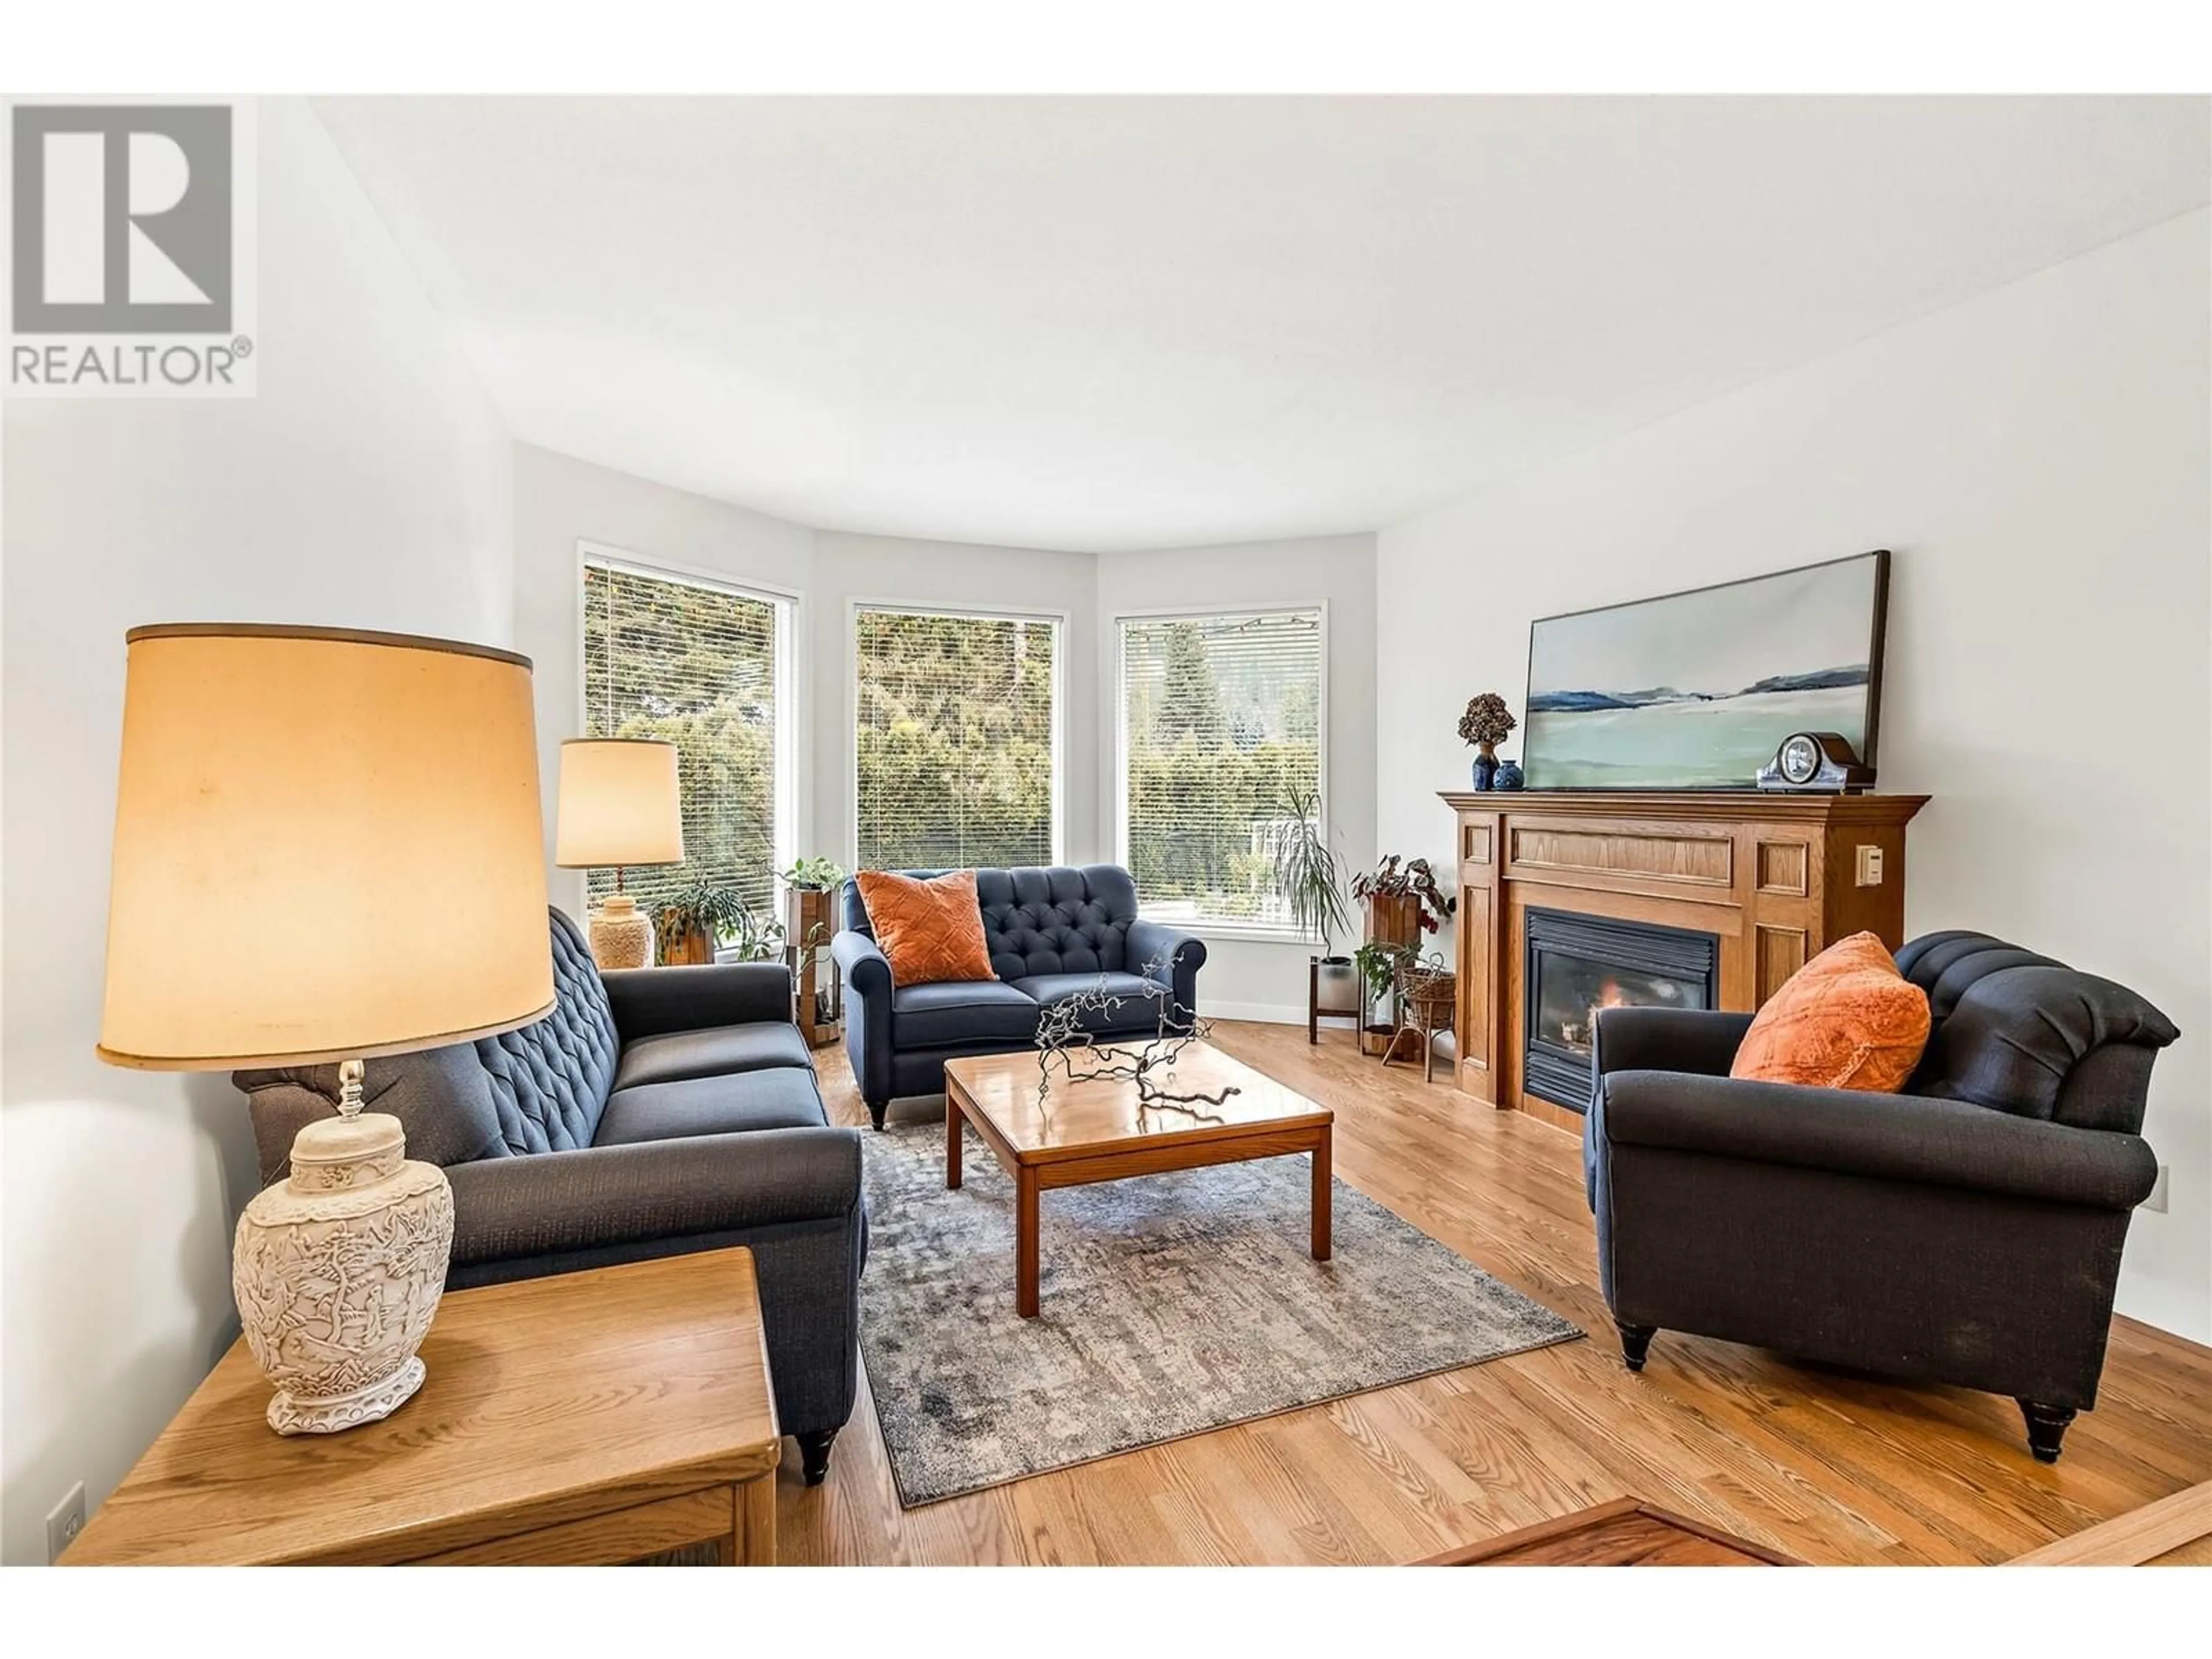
x=1025 y=1244
x=951 y=1140
x=751 y=1542
x=1322 y=1189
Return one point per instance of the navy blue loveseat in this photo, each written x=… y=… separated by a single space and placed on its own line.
x=1051 y=933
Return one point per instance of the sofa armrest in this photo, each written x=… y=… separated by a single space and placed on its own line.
x=1668 y=1040
x=867 y=974
x=598 y=1197
x=1901 y=1138
x=1181 y=955
x=650 y=1001
x=1149 y=941
x=867 y=970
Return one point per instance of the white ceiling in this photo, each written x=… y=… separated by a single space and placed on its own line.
x=1098 y=324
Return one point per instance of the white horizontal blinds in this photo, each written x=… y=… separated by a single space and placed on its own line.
x=695 y=664
x=1221 y=718
x=952 y=740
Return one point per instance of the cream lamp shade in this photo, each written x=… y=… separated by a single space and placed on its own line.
x=327 y=847
x=620 y=804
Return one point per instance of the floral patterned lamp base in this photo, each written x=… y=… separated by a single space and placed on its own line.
x=339 y=1270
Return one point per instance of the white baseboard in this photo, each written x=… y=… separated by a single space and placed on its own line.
x=1266 y=1013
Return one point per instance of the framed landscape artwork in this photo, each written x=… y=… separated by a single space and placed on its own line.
x=1696 y=690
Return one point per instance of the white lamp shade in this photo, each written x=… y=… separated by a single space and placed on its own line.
x=327 y=847
x=619 y=804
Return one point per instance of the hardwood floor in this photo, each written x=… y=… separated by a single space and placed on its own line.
x=1819 y=1465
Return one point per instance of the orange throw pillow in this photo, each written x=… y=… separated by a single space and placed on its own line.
x=931 y=930
x=1847 y=1019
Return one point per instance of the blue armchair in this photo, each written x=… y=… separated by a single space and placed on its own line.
x=1051 y=933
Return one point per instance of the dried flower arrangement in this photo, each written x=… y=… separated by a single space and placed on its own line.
x=1487 y=720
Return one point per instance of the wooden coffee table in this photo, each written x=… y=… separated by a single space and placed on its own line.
x=590 y=1417
x=1080 y=1133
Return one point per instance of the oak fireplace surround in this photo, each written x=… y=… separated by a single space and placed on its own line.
x=1772 y=879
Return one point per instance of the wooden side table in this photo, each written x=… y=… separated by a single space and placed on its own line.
x=591 y=1418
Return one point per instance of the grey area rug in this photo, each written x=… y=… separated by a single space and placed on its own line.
x=1170 y=1304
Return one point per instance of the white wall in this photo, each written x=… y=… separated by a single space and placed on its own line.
x=1247 y=978
x=2038 y=459
x=950 y=574
x=560 y=501
x=366 y=486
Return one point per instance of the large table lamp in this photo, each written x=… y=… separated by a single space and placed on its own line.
x=326 y=849
x=620 y=805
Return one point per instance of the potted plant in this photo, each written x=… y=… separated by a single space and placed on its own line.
x=1403 y=903
x=694 y=918
x=1376 y=963
x=1307 y=877
x=810 y=920
x=815 y=875
x=752 y=938
x=1487 y=723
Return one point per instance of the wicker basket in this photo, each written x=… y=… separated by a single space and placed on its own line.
x=1431 y=995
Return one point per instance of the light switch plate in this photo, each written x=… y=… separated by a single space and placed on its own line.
x=1869 y=874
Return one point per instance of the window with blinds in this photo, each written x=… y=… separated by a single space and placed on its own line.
x=954 y=739
x=1221 y=718
x=700 y=665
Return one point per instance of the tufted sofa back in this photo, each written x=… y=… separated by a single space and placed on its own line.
x=541 y=1088
x=2025 y=1034
x=549 y=1081
x=1061 y=920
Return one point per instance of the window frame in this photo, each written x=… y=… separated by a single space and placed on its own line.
x=1060 y=622
x=789 y=607
x=1206 y=928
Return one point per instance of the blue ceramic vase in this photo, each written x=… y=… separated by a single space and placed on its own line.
x=1508 y=776
x=1485 y=769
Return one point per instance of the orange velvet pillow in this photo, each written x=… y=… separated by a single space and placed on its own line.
x=1847 y=1019
x=931 y=930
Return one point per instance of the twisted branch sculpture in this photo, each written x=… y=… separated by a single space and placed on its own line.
x=1063 y=1038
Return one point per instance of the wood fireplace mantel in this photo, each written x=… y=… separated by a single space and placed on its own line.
x=1775 y=878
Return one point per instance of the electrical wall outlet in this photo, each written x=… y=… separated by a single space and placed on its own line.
x=64 y=1522
x=2156 y=1202
x=1869 y=871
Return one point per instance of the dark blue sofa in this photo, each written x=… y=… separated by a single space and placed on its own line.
x=655 y=1111
x=1051 y=933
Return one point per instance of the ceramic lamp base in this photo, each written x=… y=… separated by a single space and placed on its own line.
x=621 y=935
x=339 y=1271
x=289 y=1414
